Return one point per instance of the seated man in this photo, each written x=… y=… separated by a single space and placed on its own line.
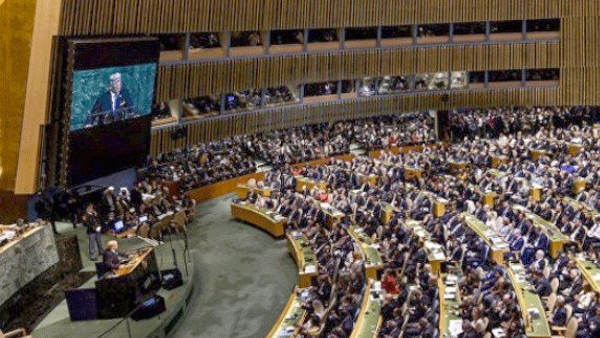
x=111 y=257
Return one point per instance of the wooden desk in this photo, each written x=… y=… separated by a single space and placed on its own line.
x=435 y=254
x=305 y=258
x=332 y=215
x=302 y=181
x=536 y=192
x=579 y=185
x=447 y=306
x=587 y=210
x=119 y=293
x=498 y=159
x=369 y=319
x=242 y=191
x=574 y=148
x=535 y=328
x=456 y=167
x=537 y=153
x=410 y=172
x=387 y=212
x=136 y=260
x=439 y=207
x=556 y=238
x=372 y=178
x=373 y=262
x=271 y=223
x=496 y=173
x=590 y=272
x=498 y=246
x=292 y=316
x=488 y=198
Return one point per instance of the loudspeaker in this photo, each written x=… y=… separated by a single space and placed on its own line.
x=149 y=307
x=171 y=279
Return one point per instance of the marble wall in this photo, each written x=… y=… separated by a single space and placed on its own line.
x=24 y=260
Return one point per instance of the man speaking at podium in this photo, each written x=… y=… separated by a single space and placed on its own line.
x=111 y=257
x=115 y=104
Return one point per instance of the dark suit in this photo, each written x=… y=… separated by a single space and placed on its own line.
x=102 y=112
x=111 y=259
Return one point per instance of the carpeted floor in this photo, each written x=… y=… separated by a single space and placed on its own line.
x=245 y=276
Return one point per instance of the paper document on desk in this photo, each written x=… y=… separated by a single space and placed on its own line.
x=455 y=327
x=498 y=332
x=310 y=269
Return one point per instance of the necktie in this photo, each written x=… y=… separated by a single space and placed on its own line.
x=117 y=103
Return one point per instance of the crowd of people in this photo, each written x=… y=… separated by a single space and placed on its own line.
x=211 y=162
x=137 y=212
x=488 y=300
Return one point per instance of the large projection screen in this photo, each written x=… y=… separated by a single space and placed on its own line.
x=110 y=96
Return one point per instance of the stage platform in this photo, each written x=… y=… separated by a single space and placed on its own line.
x=57 y=324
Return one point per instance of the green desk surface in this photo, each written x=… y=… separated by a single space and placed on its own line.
x=369 y=327
x=447 y=307
x=529 y=300
x=483 y=231
x=372 y=257
x=549 y=228
x=590 y=272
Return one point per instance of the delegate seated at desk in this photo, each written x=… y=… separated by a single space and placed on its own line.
x=111 y=257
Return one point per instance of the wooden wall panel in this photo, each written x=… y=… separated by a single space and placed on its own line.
x=16 y=29
x=198 y=79
x=92 y=17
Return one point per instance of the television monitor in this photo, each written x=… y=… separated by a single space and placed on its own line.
x=118 y=226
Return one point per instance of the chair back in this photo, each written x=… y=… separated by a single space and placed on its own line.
x=554 y=283
x=569 y=310
x=547 y=270
x=144 y=230
x=551 y=302
x=572 y=325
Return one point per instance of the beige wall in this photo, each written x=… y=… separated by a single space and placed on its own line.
x=36 y=101
x=16 y=28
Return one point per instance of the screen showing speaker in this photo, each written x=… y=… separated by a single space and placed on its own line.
x=111 y=95
x=106 y=95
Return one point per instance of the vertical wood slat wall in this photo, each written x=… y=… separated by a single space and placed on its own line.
x=92 y=17
x=577 y=54
x=204 y=78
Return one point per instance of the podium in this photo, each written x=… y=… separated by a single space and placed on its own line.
x=488 y=198
x=439 y=207
x=579 y=185
x=120 y=293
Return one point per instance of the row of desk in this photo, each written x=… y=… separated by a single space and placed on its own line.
x=369 y=319
x=268 y=221
x=435 y=254
x=532 y=308
x=290 y=319
x=498 y=246
x=556 y=238
x=306 y=260
x=373 y=262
